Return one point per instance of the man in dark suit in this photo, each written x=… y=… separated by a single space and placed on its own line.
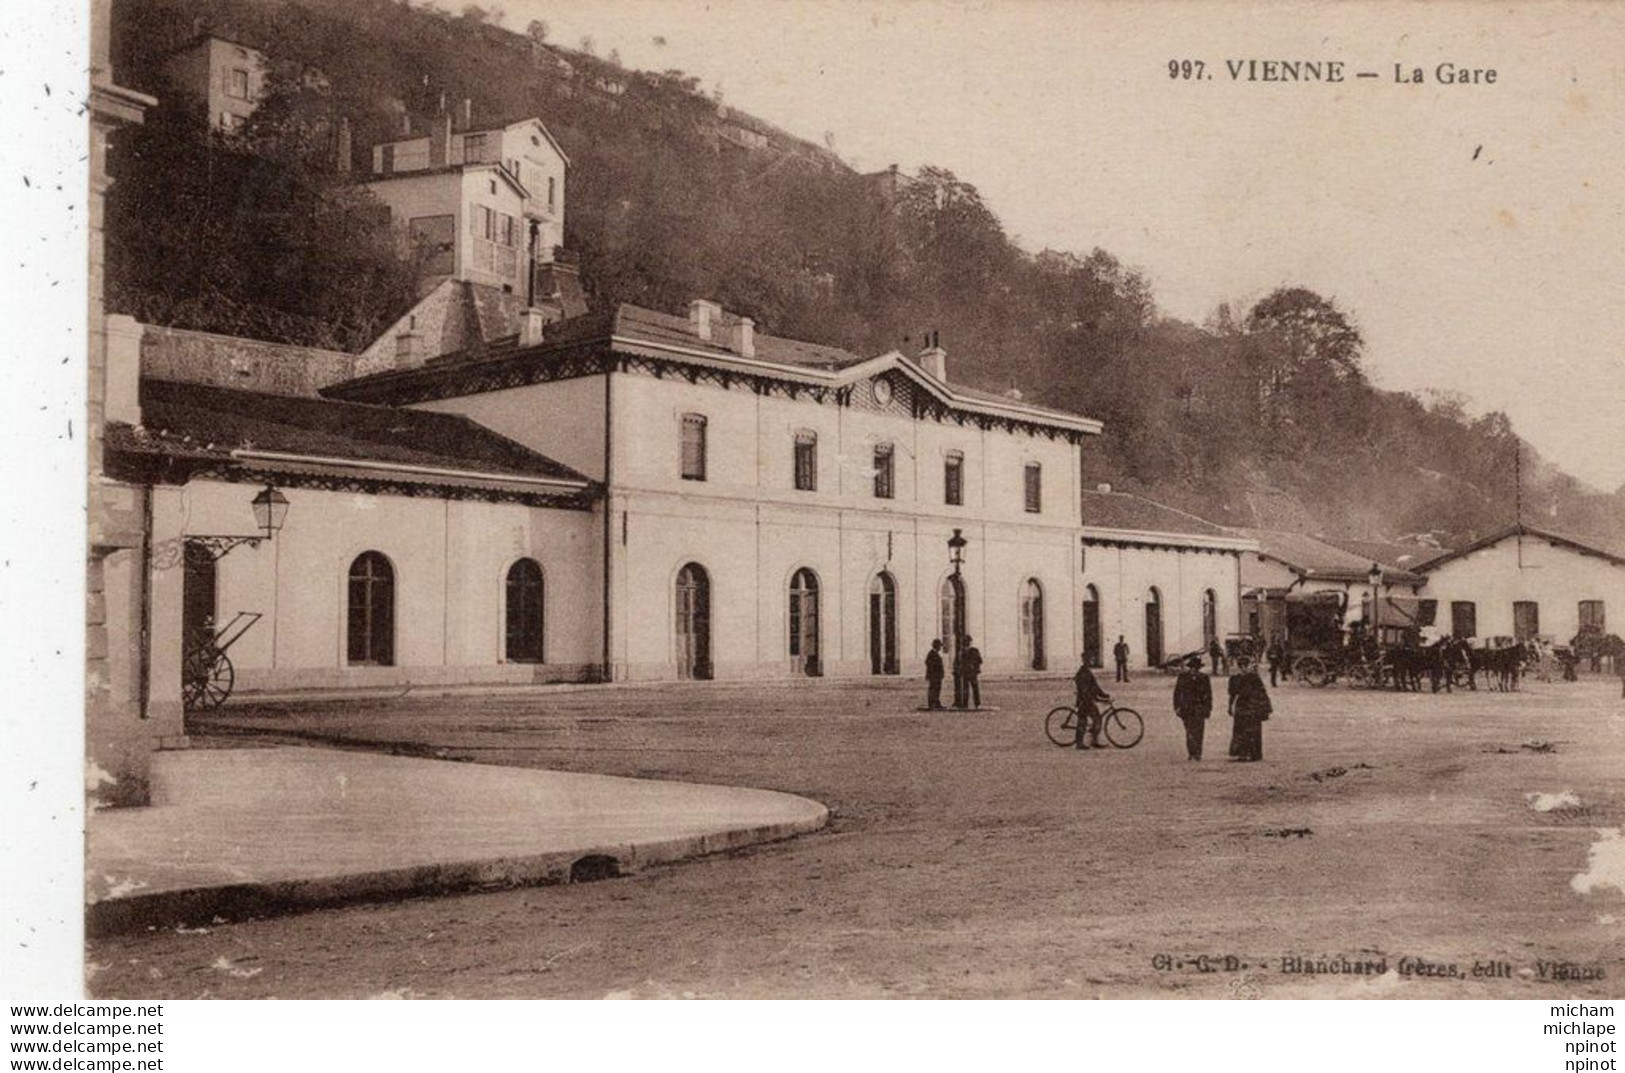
x=970 y=665
x=933 y=676
x=1120 y=655
x=1249 y=707
x=1087 y=692
x=1193 y=703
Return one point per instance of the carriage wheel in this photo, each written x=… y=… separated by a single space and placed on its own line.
x=208 y=683
x=1311 y=670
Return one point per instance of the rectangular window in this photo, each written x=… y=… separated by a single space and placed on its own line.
x=693 y=447
x=509 y=235
x=237 y=84
x=1463 y=619
x=386 y=159
x=1035 y=488
x=433 y=243
x=1592 y=616
x=552 y=192
x=883 y=471
x=473 y=148
x=806 y=461
x=1525 y=620
x=953 y=479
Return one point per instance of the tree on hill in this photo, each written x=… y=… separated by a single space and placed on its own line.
x=252 y=235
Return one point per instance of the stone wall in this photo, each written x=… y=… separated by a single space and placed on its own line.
x=249 y=364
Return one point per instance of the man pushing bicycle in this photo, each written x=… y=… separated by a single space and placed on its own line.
x=1088 y=692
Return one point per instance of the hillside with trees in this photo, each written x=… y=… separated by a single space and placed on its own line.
x=1263 y=416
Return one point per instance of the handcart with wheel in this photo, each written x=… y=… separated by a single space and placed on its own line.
x=207 y=675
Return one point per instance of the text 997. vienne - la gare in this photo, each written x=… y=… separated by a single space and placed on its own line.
x=1330 y=72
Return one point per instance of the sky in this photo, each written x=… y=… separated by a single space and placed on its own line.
x=1476 y=233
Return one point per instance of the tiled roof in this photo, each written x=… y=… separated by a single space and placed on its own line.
x=1123 y=510
x=1583 y=545
x=202 y=422
x=1399 y=556
x=627 y=327
x=638 y=323
x=1317 y=558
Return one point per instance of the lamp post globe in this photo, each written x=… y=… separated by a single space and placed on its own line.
x=270 y=510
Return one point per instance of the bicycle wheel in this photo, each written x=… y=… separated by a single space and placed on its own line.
x=1124 y=727
x=1062 y=727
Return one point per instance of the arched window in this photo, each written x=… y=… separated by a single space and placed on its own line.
x=1093 y=654
x=693 y=628
x=883 y=624
x=524 y=612
x=804 y=623
x=1210 y=617
x=371 y=633
x=1032 y=625
x=1153 y=627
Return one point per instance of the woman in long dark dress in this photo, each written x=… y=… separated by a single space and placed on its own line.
x=1249 y=707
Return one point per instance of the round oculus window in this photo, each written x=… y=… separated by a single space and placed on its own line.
x=883 y=392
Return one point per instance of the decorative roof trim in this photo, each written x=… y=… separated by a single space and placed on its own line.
x=1520 y=530
x=1099 y=534
x=862 y=371
x=248 y=454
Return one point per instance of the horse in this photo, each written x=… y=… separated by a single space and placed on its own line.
x=1505 y=664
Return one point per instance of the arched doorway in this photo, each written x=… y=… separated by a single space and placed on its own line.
x=883 y=624
x=804 y=623
x=693 y=628
x=371 y=625
x=1153 y=627
x=1210 y=617
x=523 y=613
x=1031 y=641
x=1093 y=654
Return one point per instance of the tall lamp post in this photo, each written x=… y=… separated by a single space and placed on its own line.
x=956 y=557
x=1375 y=578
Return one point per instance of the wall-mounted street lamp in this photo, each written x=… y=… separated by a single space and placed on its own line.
x=270 y=511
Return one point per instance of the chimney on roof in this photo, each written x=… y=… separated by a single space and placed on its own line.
x=122 y=389
x=703 y=317
x=468 y=113
x=407 y=352
x=742 y=337
x=933 y=359
x=406 y=124
x=532 y=327
x=440 y=142
x=343 y=147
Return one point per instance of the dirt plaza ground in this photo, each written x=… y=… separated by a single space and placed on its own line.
x=1450 y=845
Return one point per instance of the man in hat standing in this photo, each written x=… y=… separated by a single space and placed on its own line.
x=933 y=676
x=970 y=670
x=1249 y=707
x=1193 y=703
x=1120 y=656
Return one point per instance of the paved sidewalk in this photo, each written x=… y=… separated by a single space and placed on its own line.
x=242 y=832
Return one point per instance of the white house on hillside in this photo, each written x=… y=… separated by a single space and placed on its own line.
x=468 y=198
x=228 y=76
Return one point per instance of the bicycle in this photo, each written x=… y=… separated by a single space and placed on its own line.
x=1123 y=727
